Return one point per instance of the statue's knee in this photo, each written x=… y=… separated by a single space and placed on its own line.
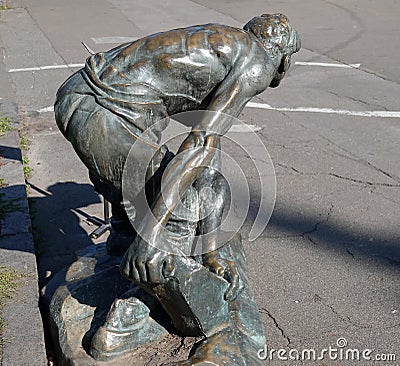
x=221 y=185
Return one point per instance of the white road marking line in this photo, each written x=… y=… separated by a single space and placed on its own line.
x=48 y=67
x=326 y=64
x=240 y=128
x=243 y=128
x=47 y=109
x=108 y=40
x=50 y=133
x=383 y=114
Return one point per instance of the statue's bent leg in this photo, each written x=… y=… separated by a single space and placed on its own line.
x=102 y=139
x=213 y=189
x=194 y=297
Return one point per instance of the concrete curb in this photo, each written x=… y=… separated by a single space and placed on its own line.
x=23 y=333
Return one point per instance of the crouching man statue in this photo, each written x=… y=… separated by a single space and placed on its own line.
x=118 y=98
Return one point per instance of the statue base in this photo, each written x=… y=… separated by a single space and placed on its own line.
x=99 y=318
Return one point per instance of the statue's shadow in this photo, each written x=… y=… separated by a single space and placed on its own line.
x=58 y=215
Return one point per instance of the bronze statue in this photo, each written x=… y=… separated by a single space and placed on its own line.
x=123 y=93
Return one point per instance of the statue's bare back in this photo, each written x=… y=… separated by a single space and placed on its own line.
x=183 y=66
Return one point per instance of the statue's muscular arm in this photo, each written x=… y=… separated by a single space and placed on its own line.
x=249 y=76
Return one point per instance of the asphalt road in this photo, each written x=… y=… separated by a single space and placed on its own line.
x=327 y=265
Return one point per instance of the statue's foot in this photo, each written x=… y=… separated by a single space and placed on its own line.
x=117 y=244
x=128 y=326
x=227 y=347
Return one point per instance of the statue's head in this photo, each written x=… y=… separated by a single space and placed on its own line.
x=278 y=37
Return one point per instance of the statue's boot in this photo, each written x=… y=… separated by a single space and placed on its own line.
x=128 y=325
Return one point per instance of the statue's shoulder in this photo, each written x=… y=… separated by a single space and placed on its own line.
x=230 y=43
x=201 y=33
x=226 y=32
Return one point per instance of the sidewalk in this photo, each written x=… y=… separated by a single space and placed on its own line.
x=22 y=339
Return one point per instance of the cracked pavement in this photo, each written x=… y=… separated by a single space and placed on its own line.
x=327 y=266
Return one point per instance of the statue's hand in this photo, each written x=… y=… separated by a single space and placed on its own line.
x=227 y=270
x=194 y=140
x=146 y=264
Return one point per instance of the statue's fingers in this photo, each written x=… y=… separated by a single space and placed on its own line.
x=124 y=267
x=128 y=270
x=232 y=276
x=133 y=273
x=154 y=270
x=141 y=269
x=168 y=266
x=217 y=267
